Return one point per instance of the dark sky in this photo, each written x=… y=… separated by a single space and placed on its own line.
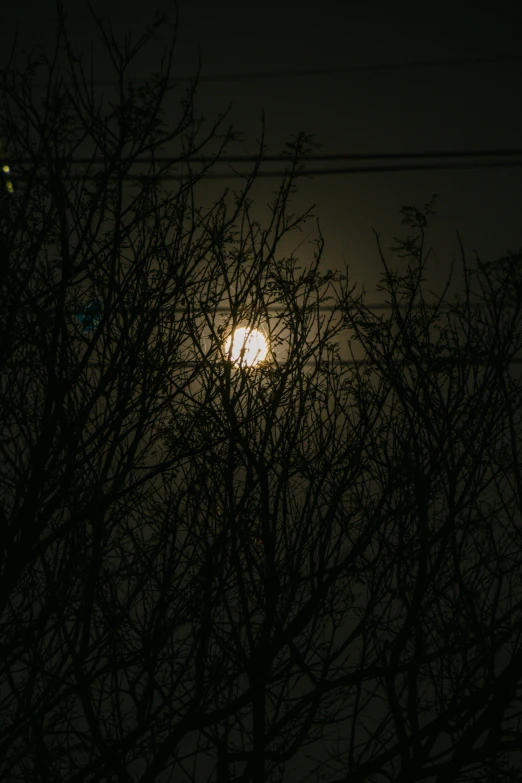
x=466 y=107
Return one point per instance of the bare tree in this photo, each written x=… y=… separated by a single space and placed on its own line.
x=441 y=650
x=209 y=562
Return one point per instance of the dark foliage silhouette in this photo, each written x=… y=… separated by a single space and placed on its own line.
x=209 y=570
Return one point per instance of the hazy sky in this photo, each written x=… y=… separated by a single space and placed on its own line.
x=466 y=107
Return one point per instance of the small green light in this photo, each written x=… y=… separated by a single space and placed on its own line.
x=6 y=169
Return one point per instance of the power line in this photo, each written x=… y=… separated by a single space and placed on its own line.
x=329 y=308
x=439 y=360
x=430 y=154
x=451 y=63
x=303 y=73
x=339 y=362
x=321 y=308
x=303 y=173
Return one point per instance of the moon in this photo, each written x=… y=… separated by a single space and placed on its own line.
x=246 y=347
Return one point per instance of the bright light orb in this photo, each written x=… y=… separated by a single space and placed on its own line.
x=248 y=347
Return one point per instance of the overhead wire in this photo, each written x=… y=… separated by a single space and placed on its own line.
x=308 y=362
x=299 y=173
x=308 y=72
x=301 y=73
x=454 y=62
x=430 y=154
x=436 y=155
x=407 y=65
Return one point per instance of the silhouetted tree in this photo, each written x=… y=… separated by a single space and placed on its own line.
x=440 y=651
x=209 y=566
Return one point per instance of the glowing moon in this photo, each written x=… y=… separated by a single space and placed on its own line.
x=246 y=347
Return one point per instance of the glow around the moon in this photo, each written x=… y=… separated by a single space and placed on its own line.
x=249 y=347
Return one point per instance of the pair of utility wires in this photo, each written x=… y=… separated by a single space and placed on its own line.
x=428 y=160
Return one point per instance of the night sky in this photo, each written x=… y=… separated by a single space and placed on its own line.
x=472 y=107
x=469 y=107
